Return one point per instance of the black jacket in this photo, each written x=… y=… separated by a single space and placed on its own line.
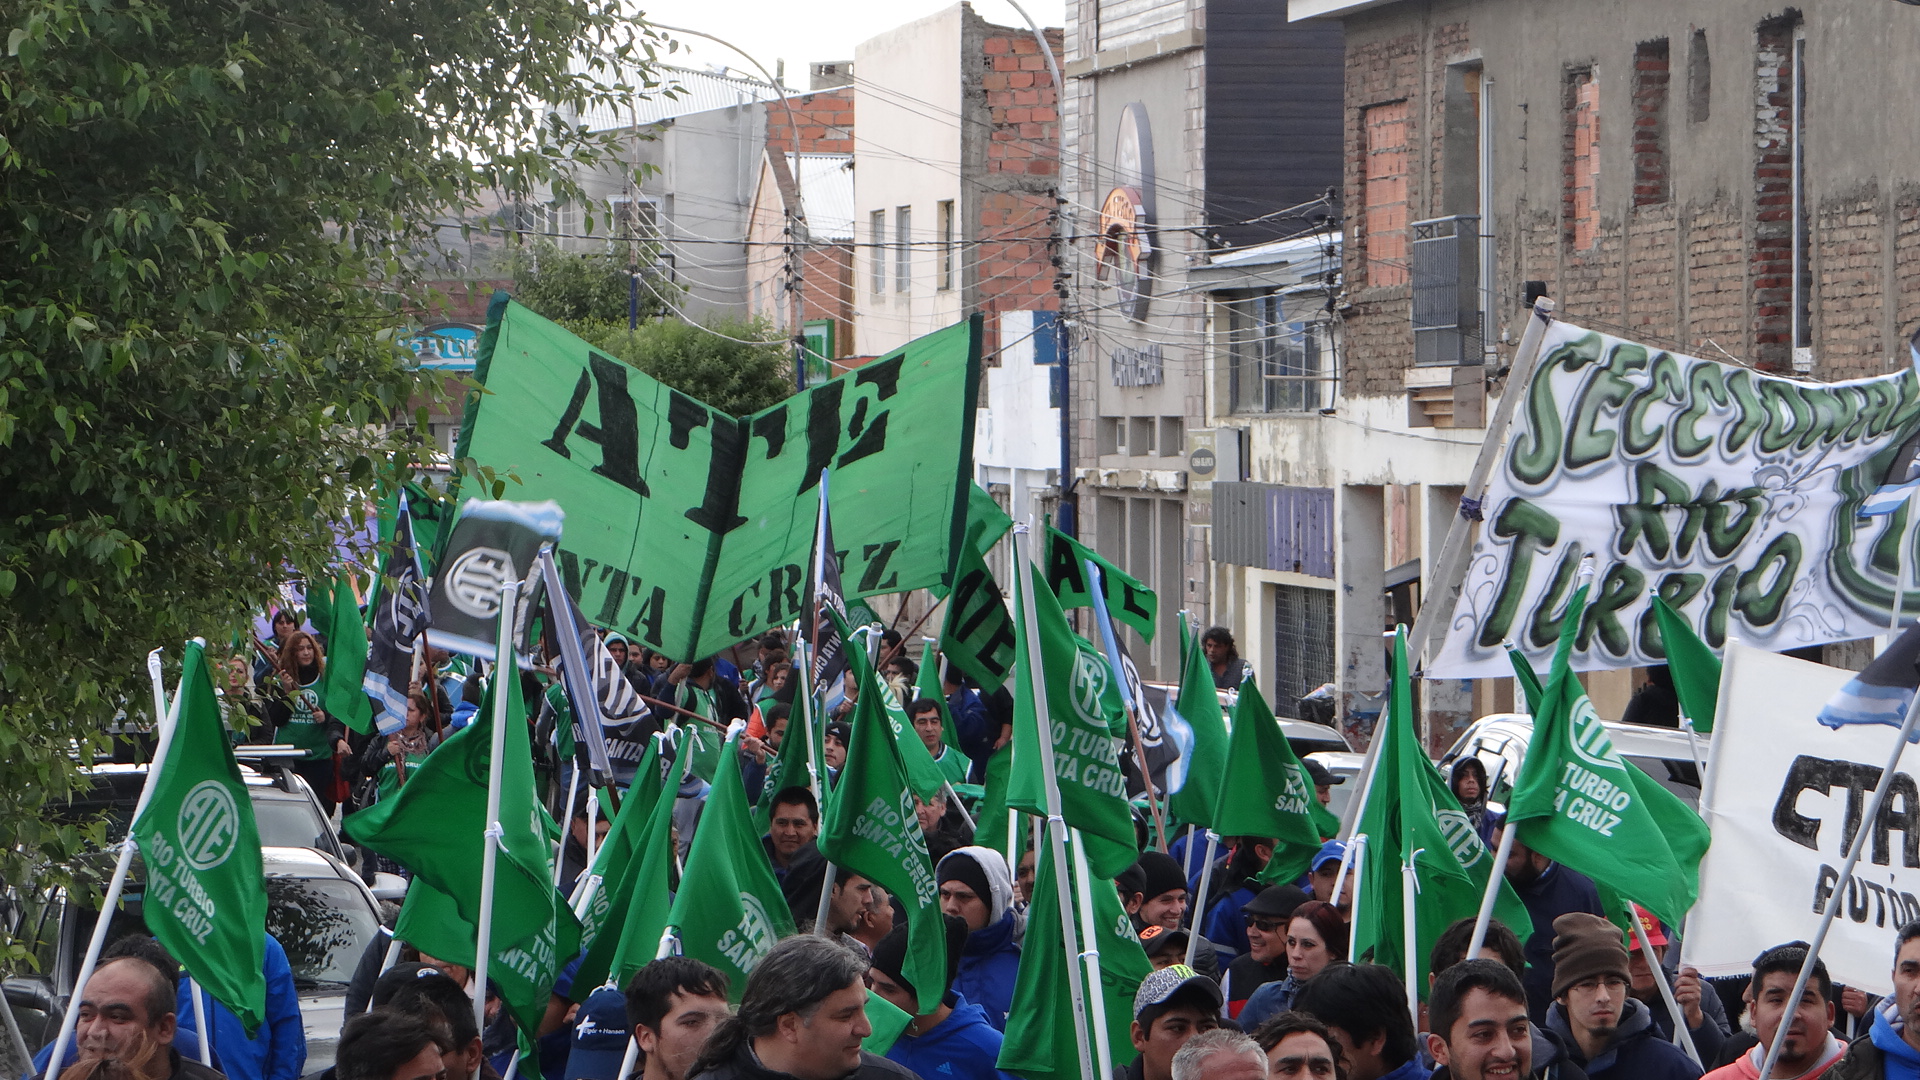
x=185 y=1068
x=800 y=882
x=1554 y=893
x=745 y=1065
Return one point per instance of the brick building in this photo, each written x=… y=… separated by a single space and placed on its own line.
x=825 y=253
x=956 y=168
x=1720 y=177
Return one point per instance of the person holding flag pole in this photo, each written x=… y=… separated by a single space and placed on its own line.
x=1056 y=822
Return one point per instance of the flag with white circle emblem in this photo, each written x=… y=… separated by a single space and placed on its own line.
x=206 y=894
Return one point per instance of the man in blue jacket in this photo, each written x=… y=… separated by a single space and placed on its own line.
x=1549 y=891
x=278 y=1051
x=976 y=888
x=954 y=1040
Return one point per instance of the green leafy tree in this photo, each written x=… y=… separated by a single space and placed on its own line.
x=216 y=212
x=568 y=286
x=735 y=365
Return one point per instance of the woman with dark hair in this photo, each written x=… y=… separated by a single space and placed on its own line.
x=1469 y=783
x=1223 y=656
x=1316 y=939
x=387 y=761
x=299 y=720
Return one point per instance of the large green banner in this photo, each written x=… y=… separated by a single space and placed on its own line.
x=689 y=529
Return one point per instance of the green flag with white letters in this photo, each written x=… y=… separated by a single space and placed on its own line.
x=206 y=894
x=1578 y=802
x=1267 y=792
x=729 y=910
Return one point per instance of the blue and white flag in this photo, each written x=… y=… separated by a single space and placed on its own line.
x=1882 y=693
x=399 y=614
x=492 y=543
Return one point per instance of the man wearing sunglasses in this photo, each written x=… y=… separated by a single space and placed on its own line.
x=1265 y=960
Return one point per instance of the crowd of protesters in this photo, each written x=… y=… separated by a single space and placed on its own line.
x=1266 y=986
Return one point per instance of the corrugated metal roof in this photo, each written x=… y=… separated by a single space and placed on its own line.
x=826 y=190
x=685 y=91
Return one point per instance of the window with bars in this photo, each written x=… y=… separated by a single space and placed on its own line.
x=877 y=260
x=1387 y=129
x=1302 y=645
x=1274 y=365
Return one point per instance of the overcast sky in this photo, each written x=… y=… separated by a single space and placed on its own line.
x=799 y=33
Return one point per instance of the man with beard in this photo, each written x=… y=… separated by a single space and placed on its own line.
x=1549 y=891
x=125 y=1031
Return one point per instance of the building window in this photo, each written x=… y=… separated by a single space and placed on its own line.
x=877 y=239
x=1583 y=160
x=946 y=243
x=1302 y=645
x=1460 y=169
x=1699 y=79
x=1274 y=365
x=902 y=249
x=1387 y=129
x=1651 y=185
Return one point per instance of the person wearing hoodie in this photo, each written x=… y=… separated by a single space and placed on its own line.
x=1811 y=1048
x=976 y=887
x=1232 y=889
x=1612 y=1035
x=1706 y=1017
x=1892 y=1049
x=954 y=1040
x=1480 y=1028
x=1470 y=786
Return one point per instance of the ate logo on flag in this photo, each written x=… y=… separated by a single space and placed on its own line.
x=1596 y=802
x=1090 y=675
x=1461 y=838
x=746 y=944
x=209 y=825
x=475 y=578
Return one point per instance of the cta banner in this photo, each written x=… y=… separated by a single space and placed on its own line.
x=1736 y=495
x=1784 y=797
x=689 y=529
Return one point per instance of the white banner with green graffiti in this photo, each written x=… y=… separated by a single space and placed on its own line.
x=1735 y=494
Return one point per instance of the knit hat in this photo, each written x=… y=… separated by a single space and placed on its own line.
x=1585 y=946
x=983 y=870
x=1160 y=874
x=890 y=954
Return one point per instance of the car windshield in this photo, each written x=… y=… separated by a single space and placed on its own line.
x=285 y=822
x=324 y=924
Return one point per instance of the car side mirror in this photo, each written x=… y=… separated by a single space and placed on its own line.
x=389 y=887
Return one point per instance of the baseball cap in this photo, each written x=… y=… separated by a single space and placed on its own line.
x=1276 y=901
x=1156 y=939
x=1331 y=851
x=1160 y=988
x=1322 y=776
x=599 y=1038
x=1656 y=935
x=392 y=979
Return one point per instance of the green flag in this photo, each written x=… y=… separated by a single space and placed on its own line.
x=1084 y=708
x=1267 y=792
x=1410 y=811
x=1528 y=681
x=1578 y=802
x=923 y=775
x=1695 y=670
x=1198 y=706
x=688 y=528
x=1127 y=600
x=793 y=766
x=1040 y=1043
x=628 y=936
x=986 y=522
x=626 y=839
x=929 y=687
x=436 y=827
x=978 y=635
x=992 y=817
x=729 y=911
x=335 y=612
x=887 y=1020
x=870 y=828
x=206 y=895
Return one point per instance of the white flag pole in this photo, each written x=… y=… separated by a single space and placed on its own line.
x=560 y=850
x=826 y=901
x=1680 y=1033
x=166 y=719
x=593 y=825
x=504 y=684
x=200 y=1021
x=1199 y=907
x=1090 y=954
x=1056 y=822
x=1409 y=933
x=1357 y=847
x=1492 y=893
x=629 y=1059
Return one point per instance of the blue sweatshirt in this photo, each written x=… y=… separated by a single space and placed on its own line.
x=278 y=1051
x=988 y=967
x=963 y=1047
